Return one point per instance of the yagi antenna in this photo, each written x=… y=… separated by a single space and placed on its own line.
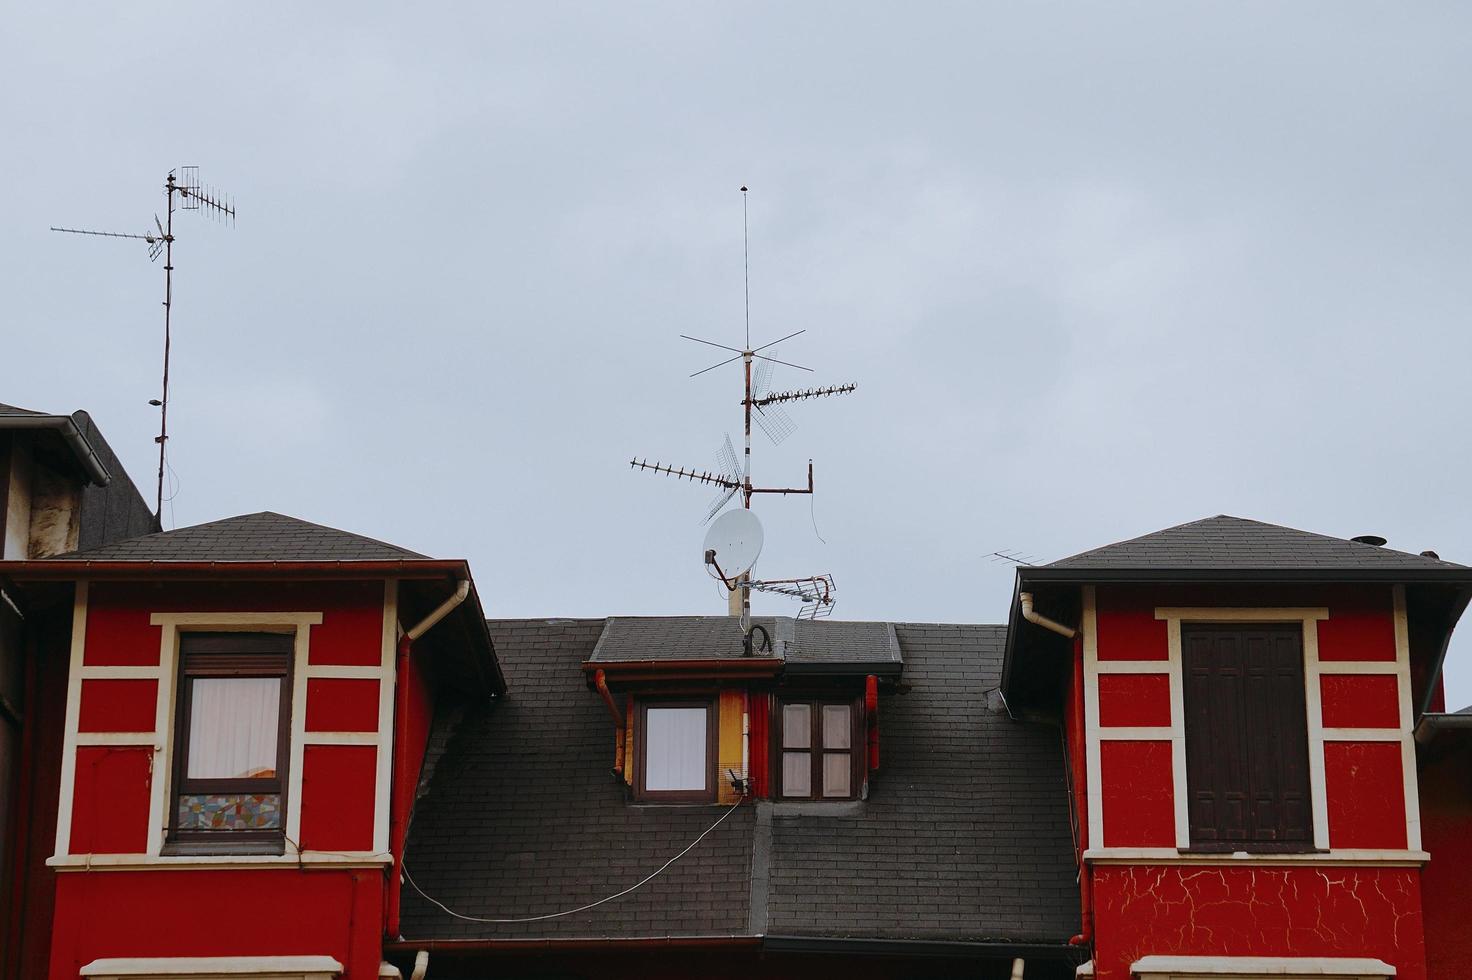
x=192 y=197
x=765 y=407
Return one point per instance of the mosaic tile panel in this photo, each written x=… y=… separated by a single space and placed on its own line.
x=230 y=811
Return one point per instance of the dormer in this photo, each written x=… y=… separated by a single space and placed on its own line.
x=1240 y=698
x=697 y=718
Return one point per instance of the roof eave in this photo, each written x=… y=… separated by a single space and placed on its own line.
x=1051 y=575
x=67 y=569
x=71 y=434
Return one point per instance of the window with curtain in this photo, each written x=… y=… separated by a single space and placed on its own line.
x=231 y=742
x=678 y=758
x=816 y=758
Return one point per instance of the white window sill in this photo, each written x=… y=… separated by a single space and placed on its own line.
x=1169 y=855
x=1259 y=968
x=135 y=862
x=214 y=968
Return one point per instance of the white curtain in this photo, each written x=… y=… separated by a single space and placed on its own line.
x=232 y=727
x=674 y=749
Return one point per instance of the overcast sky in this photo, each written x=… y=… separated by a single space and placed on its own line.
x=1097 y=269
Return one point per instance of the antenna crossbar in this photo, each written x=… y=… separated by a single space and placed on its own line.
x=800 y=394
x=696 y=476
x=107 y=234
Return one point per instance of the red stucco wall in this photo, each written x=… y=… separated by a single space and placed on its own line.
x=273 y=912
x=1446 y=832
x=1258 y=911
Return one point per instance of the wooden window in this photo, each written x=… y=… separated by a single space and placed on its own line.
x=677 y=759
x=817 y=750
x=231 y=743
x=1246 y=738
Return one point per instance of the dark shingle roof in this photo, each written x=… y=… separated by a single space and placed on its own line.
x=12 y=410
x=965 y=836
x=523 y=816
x=249 y=537
x=1236 y=543
x=797 y=642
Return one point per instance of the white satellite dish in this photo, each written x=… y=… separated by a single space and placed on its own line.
x=733 y=544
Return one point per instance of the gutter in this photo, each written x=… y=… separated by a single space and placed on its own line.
x=1389 y=575
x=1459 y=606
x=69 y=569
x=919 y=947
x=67 y=427
x=1434 y=722
x=470 y=947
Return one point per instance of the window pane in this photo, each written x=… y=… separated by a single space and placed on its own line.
x=836 y=773
x=229 y=811
x=674 y=749
x=797 y=725
x=233 y=723
x=797 y=774
x=837 y=726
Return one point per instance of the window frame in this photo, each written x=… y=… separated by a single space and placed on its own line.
x=712 y=735
x=227 y=654
x=1306 y=845
x=857 y=749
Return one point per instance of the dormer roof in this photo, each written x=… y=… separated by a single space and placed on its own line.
x=265 y=536
x=798 y=646
x=1224 y=541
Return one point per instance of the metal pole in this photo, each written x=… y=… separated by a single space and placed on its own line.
x=163 y=415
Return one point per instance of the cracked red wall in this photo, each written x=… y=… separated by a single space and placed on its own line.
x=1257 y=911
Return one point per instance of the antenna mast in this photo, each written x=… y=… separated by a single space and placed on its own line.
x=816 y=592
x=194 y=198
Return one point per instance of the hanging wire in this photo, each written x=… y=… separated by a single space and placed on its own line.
x=582 y=908
x=813 y=514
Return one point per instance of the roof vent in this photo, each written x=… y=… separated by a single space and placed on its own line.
x=1430 y=554
x=1373 y=539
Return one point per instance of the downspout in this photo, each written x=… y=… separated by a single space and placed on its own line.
x=1038 y=619
x=1081 y=800
x=600 y=683
x=746 y=741
x=400 y=798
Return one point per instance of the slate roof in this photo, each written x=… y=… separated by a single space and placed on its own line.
x=12 y=410
x=1237 y=543
x=797 y=642
x=250 y=537
x=965 y=836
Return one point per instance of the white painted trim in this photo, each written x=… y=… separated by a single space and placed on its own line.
x=383 y=788
x=1407 y=716
x=343 y=672
x=130 y=672
x=293 y=801
x=213 y=967
x=1134 y=666
x=70 y=725
x=1092 y=753
x=1259 y=967
x=1246 y=614
x=283 y=622
x=1136 y=734
x=340 y=738
x=143 y=740
x=1180 y=789
x=1363 y=735
x=1169 y=855
x=1313 y=714
x=135 y=862
x=1359 y=667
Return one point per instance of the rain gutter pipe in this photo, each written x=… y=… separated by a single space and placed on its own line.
x=1038 y=619
x=399 y=800
x=600 y=683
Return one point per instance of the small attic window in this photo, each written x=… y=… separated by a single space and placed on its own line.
x=816 y=752
x=677 y=751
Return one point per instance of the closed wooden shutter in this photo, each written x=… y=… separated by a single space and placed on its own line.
x=1246 y=738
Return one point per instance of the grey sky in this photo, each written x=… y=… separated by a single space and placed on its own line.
x=1097 y=269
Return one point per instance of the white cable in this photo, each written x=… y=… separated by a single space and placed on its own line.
x=583 y=908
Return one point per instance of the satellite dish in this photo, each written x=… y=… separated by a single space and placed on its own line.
x=733 y=544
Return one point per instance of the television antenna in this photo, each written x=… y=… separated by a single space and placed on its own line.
x=732 y=476
x=192 y=196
